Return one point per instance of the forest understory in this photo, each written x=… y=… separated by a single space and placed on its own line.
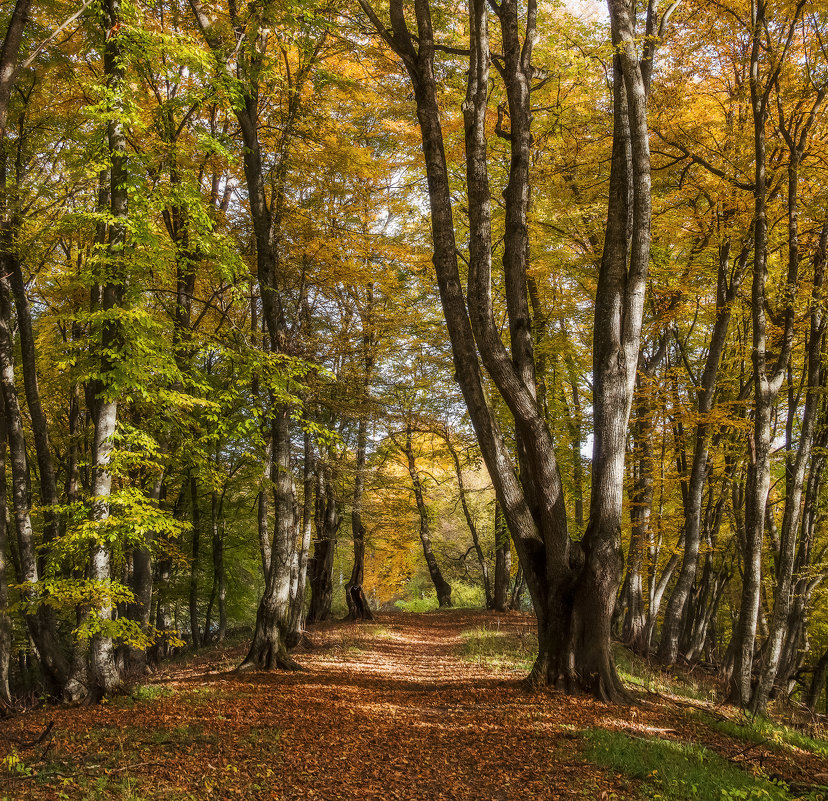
x=425 y=706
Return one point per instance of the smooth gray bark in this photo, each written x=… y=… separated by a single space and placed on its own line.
x=767 y=378
x=297 y=615
x=795 y=472
x=728 y=283
x=572 y=588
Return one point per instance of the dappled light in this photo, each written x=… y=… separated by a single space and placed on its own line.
x=392 y=710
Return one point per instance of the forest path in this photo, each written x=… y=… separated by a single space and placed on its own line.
x=382 y=711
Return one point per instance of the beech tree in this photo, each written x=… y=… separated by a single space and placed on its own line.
x=572 y=585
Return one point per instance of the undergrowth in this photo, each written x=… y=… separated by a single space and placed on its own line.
x=676 y=771
x=761 y=730
x=637 y=671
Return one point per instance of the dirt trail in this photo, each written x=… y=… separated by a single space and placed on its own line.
x=382 y=711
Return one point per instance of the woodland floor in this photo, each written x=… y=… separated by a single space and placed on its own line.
x=415 y=706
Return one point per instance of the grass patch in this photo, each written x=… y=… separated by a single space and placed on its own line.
x=636 y=671
x=426 y=604
x=762 y=730
x=679 y=771
x=502 y=650
x=377 y=631
x=143 y=693
x=463 y=596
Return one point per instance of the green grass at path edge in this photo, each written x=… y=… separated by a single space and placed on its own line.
x=675 y=771
x=761 y=730
x=501 y=650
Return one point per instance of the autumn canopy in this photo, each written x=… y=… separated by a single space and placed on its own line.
x=319 y=309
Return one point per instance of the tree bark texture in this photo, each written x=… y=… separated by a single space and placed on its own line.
x=503 y=563
x=572 y=586
x=767 y=379
x=297 y=615
x=269 y=647
x=358 y=608
x=5 y=620
x=320 y=567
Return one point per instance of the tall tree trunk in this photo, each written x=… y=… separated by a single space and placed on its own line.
x=5 y=620
x=40 y=427
x=297 y=614
x=270 y=638
x=266 y=186
x=819 y=682
x=795 y=471
x=728 y=285
x=320 y=567
x=220 y=578
x=635 y=622
x=358 y=608
x=572 y=586
x=767 y=379
x=40 y=624
x=8 y=57
x=195 y=633
x=503 y=562
x=141 y=585
x=262 y=509
x=441 y=586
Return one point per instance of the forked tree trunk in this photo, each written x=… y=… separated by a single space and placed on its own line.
x=767 y=377
x=573 y=588
x=795 y=469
